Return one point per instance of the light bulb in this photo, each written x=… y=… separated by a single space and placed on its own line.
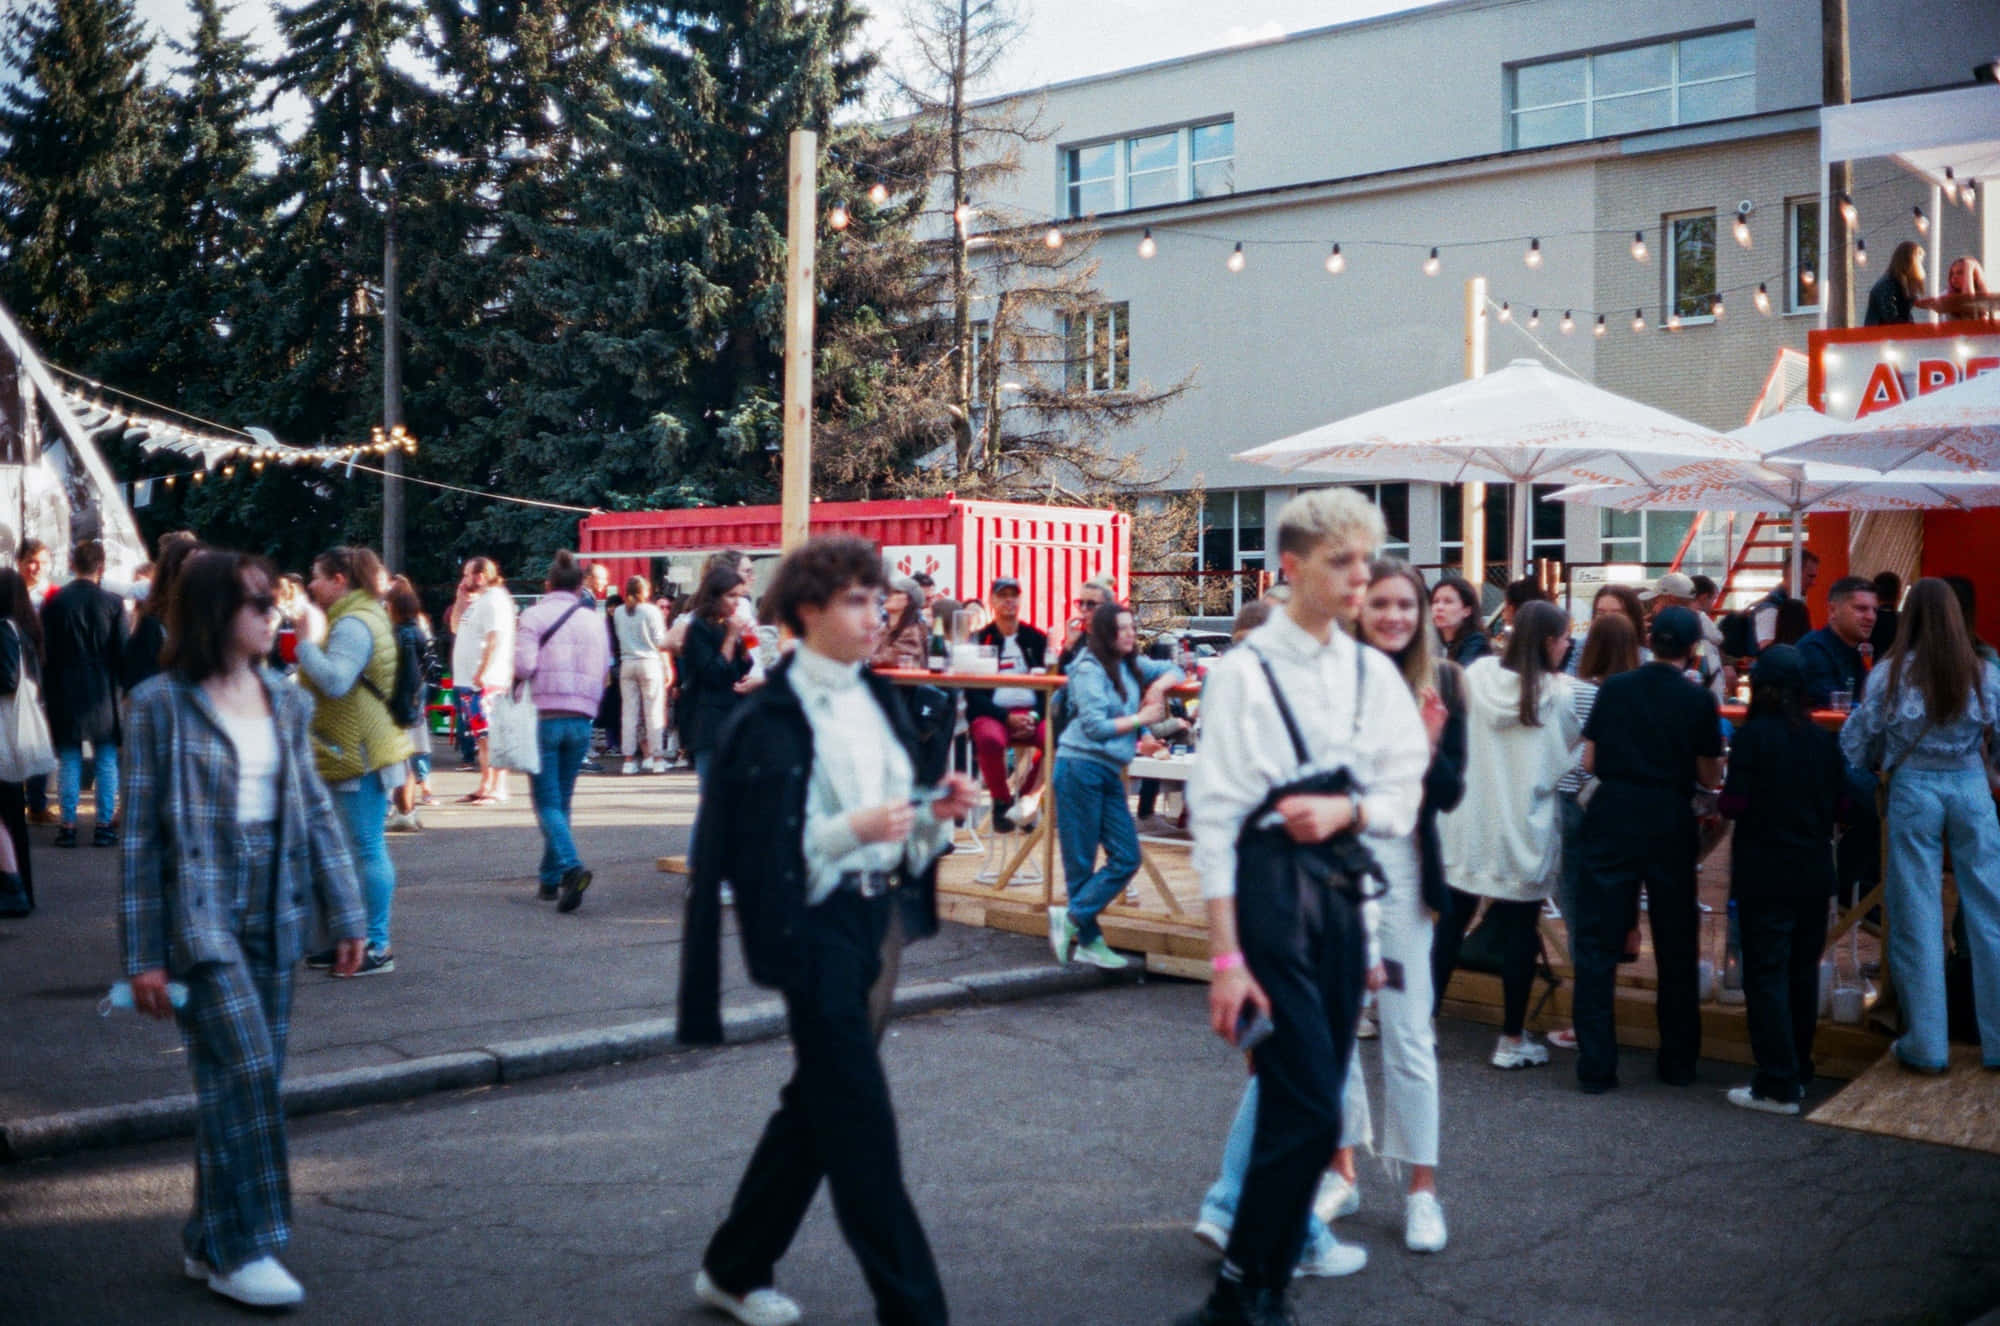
x=1806 y=276
x=1534 y=257
x=199 y=476
x=1639 y=246
x=1762 y=298
x=1715 y=309
x=228 y=471
x=1568 y=323
x=1968 y=193
x=1638 y=319
x=1431 y=264
x=878 y=193
x=1237 y=262
x=1848 y=212
x=1742 y=231
x=1506 y=312
x=1054 y=237
x=1599 y=329
x=1534 y=318
x=169 y=481
x=1923 y=222
x=1860 y=252
x=1335 y=263
x=1673 y=322
x=1147 y=246
x=1950 y=186
x=837 y=217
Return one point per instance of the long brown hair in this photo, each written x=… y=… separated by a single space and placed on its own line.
x=1629 y=602
x=1609 y=648
x=213 y=588
x=18 y=606
x=717 y=582
x=1528 y=653
x=1934 y=649
x=1418 y=660
x=1903 y=266
x=1103 y=644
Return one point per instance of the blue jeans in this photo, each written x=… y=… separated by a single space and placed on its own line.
x=1091 y=810
x=1927 y=809
x=69 y=780
x=362 y=808
x=420 y=766
x=563 y=740
x=1218 y=1205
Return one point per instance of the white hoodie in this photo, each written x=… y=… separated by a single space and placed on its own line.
x=1504 y=840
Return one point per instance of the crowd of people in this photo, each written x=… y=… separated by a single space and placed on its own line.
x=1378 y=770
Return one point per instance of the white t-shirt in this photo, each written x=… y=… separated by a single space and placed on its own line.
x=1013 y=661
x=256 y=742
x=492 y=613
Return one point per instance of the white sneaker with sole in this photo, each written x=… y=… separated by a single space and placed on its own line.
x=629 y=767
x=1524 y=1053
x=1212 y=1235
x=1336 y=1198
x=759 y=1307
x=259 y=1284
x=1333 y=1260
x=1423 y=1223
x=1062 y=933
x=1748 y=1099
x=1099 y=954
x=656 y=765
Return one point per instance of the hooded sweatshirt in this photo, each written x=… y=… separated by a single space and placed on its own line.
x=1504 y=841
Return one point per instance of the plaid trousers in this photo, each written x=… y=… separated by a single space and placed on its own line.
x=234 y=1027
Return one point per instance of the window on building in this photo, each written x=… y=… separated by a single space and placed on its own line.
x=1689 y=266
x=1232 y=541
x=1098 y=348
x=1634 y=88
x=1149 y=170
x=1393 y=501
x=1802 y=255
x=1652 y=539
x=1545 y=529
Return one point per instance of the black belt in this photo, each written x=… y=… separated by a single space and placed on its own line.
x=867 y=883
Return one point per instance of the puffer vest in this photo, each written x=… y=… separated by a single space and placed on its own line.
x=353 y=734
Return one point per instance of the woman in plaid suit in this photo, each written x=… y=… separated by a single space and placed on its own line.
x=230 y=841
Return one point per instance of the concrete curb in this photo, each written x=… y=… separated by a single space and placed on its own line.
x=502 y=1062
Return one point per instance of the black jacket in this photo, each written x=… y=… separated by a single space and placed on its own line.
x=1469 y=648
x=708 y=686
x=83 y=630
x=1444 y=788
x=751 y=832
x=1034 y=650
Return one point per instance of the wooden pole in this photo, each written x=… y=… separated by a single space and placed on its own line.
x=801 y=229
x=1472 y=503
x=392 y=392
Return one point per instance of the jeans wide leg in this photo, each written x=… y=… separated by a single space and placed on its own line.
x=1927 y=809
x=563 y=741
x=1091 y=811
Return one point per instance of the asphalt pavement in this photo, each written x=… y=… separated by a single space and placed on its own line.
x=1056 y=1150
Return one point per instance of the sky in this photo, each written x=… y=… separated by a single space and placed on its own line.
x=1062 y=39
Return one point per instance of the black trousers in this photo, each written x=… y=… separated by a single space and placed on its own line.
x=1782 y=940
x=1304 y=945
x=834 y=1121
x=14 y=819
x=1858 y=855
x=1520 y=926
x=1639 y=837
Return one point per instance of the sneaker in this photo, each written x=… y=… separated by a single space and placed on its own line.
x=1563 y=1038
x=376 y=962
x=1098 y=954
x=320 y=961
x=728 y=895
x=548 y=892
x=259 y=1284
x=1062 y=933
x=759 y=1307
x=1524 y=1053
x=1212 y=1235
x=104 y=836
x=1003 y=820
x=1230 y=1304
x=66 y=836
x=1423 y=1223
x=403 y=823
x=1747 y=1098
x=629 y=767
x=656 y=765
x=588 y=766
x=1332 y=1259
x=574 y=881
x=1027 y=810
x=1367 y=1028
x=1336 y=1197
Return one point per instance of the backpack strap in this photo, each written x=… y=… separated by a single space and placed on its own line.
x=1285 y=710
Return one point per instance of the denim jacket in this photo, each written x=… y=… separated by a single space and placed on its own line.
x=1890 y=730
x=1095 y=708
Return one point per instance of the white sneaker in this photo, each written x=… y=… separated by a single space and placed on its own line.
x=260 y=1284
x=1212 y=1235
x=1336 y=1198
x=1367 y=1028
x=728 y=896
x=1747 y=1098
x=398 y=822
x=1423 y=1223
x=759 y=1307
x=1334 y=1260
x=1524 y=1053
x=656 y=765
x=1062 y=934
x=629 y=767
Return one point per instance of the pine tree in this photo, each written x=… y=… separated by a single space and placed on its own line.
x=80 y=141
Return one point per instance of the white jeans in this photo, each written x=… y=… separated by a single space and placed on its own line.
x=1409 y=1047
x=642 y=684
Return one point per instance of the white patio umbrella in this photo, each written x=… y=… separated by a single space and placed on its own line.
x=1521 y=425
x=1953 y=428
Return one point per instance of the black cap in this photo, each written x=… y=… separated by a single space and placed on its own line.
x=1779 y=664
x=1675 y=631
x=1004 y=585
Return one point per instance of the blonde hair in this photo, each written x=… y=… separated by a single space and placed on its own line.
x=1338 y=514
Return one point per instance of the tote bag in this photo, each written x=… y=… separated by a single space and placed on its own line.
x=26 y=749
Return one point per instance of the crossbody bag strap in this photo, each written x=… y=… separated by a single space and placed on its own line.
x=543 y=639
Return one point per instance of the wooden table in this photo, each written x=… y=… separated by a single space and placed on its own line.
x=1831 y=719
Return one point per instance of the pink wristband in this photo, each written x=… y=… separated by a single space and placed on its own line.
x=1226 y=961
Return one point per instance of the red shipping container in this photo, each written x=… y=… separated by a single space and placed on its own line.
x=964 y=545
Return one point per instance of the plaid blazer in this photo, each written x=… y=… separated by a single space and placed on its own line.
x=180 y=840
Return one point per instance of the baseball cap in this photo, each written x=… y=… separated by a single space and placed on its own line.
x=1005 y=585
x=1675 y=630
x=1671 y=585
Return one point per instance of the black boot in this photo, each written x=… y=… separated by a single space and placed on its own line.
x=14 y=896
x=1229 y=1304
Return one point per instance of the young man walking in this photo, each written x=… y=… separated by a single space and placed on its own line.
x=84 y=627
x=1283 y=860
x=820 y=815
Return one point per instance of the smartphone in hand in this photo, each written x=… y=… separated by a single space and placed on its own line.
x=1253 y=1028
x=1392 y=974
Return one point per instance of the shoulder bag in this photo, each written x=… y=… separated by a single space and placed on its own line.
x=513 y=724
x=26 y=749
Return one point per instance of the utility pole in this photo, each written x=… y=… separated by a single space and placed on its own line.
x=392 y=392
x=1838 y=278
x=802 y=220
x=1472 y=496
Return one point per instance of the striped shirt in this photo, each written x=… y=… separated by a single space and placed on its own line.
x=1583 y=695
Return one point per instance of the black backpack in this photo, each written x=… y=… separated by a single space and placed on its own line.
x=415 y=661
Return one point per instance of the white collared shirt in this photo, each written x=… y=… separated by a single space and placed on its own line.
x=1245 y=751
x=857 y=764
